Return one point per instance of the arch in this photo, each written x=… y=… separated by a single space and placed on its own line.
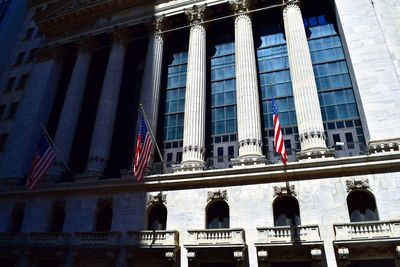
x=362 y=206
x=104 y=219
x=157 y=217
x=286 y=211
x=57 y=220
x=217 y=215
x=17 y=220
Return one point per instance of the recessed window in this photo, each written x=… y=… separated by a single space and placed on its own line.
x=286 y=211
x=2 y=108
x=3 y=141
x=157 y=219
x=17 y=220
x=22 y=82
x=13 y=111
x=10 y=85
x=362 y=206
x=31 y=56
x=20 y=58
x=29 y=33
x=57 y=221
x=104 y=219
x=218 y=215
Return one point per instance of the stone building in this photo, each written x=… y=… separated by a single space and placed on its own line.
x=205 y=72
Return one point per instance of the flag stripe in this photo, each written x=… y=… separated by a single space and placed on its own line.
x=279 y=146
x=143 y=150
x=43 y=159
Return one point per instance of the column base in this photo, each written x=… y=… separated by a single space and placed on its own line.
x=189 y=167
x=248 y=161
x=381 y=146
x=315 y=154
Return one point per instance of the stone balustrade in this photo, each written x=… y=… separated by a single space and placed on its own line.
x=286 y=234
x=367 y=230
x=12 y=238
x=97 y=238
x=49 y=238
x=153 y=238
x=217 y=237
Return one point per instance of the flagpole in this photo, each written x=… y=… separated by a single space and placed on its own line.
x=153 y=138
x=56 y=150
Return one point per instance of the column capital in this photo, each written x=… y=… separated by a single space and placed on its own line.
x=291 y=3
x=119 y=35
x=241 y=6
x=196 y=14
x=157 y=25
x=47 y=52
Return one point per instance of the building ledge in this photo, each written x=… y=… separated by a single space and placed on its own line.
x=288 y=236
x=223 y=238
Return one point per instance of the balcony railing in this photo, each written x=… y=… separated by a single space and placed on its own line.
x=225 y=237
x=49 y=238
x=12 y=238
x=288 y=234
x=97 y=238
x=153 y=238
x=367 y=230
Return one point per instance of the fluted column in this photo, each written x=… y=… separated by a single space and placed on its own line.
x=107 y=108
x=247 y=96
x=150 y=92
x=308 y=113
x=195 y=98
x=72 y=104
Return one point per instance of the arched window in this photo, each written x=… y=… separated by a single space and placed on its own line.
x=157 y=219
x=17 y=219
x=362 y=206
x=104 y=219
x=286 y=211
x=218 y=215
x=57 y=221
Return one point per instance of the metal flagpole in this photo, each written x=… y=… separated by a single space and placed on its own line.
x=153 y=138
x=56 y=150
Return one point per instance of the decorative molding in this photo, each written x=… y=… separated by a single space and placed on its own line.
x=343 y=254
x=170 y=256
x=191 y=255
x=156 y=199
x=196 y=14
x=357 y=183
x=238 y=255
x=217 y=195
x=384 y=146
x=285 y=190
x=262 y=255
x=241 y=6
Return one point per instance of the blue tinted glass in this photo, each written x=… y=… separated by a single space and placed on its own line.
x=343 y=111
x=331 y=113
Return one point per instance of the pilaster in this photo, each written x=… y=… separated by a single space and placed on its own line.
x=247 y=96
x=195 y=98
x=308 y=113
x=107 y=107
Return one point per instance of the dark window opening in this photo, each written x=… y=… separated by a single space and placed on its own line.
x=10 y=85
x=104 y=220
x=220 y=154
x=231 y=151
x=28 y=34
x=336 y=139
x=57 y=222
x=286 y=211
x=2 y=108
x=3 y=142
x=22 y=82
x=20 y=58
x=362 y=207
x=349 y=140
x=218 y=215
x=157 y=218
x=17 y=220
x=13 y=111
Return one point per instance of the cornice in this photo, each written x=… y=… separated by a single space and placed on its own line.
x=297 y=171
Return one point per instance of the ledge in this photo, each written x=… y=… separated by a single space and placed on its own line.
x=296 y=171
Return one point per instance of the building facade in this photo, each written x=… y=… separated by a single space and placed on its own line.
x=206 y=73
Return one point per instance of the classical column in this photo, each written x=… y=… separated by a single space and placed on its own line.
x=195 y=98
x=34 y=109
x=247 y=97
x=308 y=113
x=72 y=104
x=107 y=108
x=150 y=92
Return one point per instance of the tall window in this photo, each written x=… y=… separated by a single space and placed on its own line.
x=57 y=221
x=286 y=211
x=362 y=206
x=218 y=215
x=104 y=219
x=17 y=220
x=157 y=218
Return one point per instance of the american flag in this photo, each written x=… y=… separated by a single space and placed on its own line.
x=279 y=144
x=42 y=161
x=143 y=150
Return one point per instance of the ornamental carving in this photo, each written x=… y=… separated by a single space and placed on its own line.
x=196 y=14
x=250 y=142
x=241 y=6
x=156 y=199
x=285 y=190
x=217 y=195
x=360 y=183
